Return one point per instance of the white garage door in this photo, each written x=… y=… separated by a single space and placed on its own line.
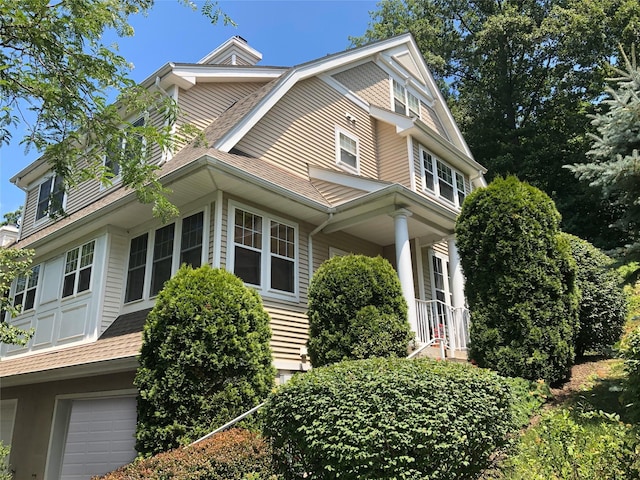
x=100 y=437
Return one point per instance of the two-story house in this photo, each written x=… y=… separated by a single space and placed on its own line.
x=353 y=152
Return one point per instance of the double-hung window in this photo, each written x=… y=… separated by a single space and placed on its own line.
x=264 y=251
x=25 y=291
x=170 y=246
x=77 y=269
x=346 y=150
x=404 y=101
x=442 y=180
x=50 y=197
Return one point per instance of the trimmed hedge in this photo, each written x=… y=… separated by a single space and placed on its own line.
x=230 y=455
x=387 y=418
x=520 y=282
x=603 y=304
x=205 y=358
x=356 y=310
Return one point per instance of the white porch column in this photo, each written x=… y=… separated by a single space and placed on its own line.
x=457 y=279
x=403 y=263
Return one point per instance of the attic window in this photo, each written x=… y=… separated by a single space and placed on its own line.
x=405 y=102
x=346 y=150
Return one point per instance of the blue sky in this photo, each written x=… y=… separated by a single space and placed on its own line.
x=285 y=32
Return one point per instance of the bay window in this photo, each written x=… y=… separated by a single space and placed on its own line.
x=155 y=256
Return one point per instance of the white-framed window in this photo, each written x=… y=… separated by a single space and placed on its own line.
x=347 y=154
x=155 y=256
x=440 y=281
x=264 y=251
x=50 y=197
x=442 y=180
x=120 y=151
x=77 y=269
x=25 y=289
x=404 y=101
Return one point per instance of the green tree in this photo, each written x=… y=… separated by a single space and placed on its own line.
x=614 y=153
x=521 y=77
x=205 y=358
x=13 y=263
x=356 y=310
x=12 y=218
x=603 y=303
x=520 y=281
x=57 y=70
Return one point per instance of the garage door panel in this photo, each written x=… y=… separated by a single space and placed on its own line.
x=100 y=437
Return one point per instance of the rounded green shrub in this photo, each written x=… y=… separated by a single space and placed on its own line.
x=231 y=455
x=205 y=358
x=389 y=418
x=603 y=303
x=356 y=310
x=520 y=281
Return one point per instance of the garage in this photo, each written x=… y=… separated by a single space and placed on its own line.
x=100 y=437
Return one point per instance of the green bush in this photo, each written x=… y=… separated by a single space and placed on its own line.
x=528 y=398
x=205 y=358
x=630 y=352
x=5 y=469
x=356 y=310
x=234 y=454
x=387 y=418
x=603 y=304
x=520 y=282
x=575 y=445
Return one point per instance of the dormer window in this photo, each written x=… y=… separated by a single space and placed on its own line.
x=346 y=150
x=440 y=179
x=125 y=149
x=405 y=102
x=50 y=197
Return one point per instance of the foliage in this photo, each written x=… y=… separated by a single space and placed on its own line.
x=528 y=398
x=603 y=303
x=578 y=445
x=5 y=470
x=520 y=281
x=356 y=310
x=12 y=218
x=58 y=70
x=521 y=77
x=615 y=151
x=205 y=358
x=389 y=418
x=630 y=352
x=230 y=455
x=13 y=263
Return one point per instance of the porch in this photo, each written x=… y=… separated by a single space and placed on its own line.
x=441 y=326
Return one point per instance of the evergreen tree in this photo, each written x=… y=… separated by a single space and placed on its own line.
x=615 y=165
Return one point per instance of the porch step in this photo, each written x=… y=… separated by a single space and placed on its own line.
x=434 y=352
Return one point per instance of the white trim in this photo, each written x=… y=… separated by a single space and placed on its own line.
x=345 y=179
x=435 y=193
x=332 y=82
x=217 y=232
x=39 y=221
x=265 y=251
x=337 y=252
x=10 y=403
x=345 y=166
x=412 y=164
x=420 y=268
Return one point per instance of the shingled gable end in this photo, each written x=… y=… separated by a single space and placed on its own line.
x=353 y=152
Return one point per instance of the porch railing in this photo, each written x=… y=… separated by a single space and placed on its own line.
x=438 y=321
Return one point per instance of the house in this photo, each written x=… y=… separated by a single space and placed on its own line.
x=352 y=152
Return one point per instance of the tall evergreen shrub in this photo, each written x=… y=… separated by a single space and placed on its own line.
x=603 y=304
x=520 y=281
x=205 y=358
x=356 y=310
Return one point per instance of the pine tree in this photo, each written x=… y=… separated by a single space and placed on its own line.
x=615 y=165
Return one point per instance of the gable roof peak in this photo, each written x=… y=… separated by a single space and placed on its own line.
x=235 y=51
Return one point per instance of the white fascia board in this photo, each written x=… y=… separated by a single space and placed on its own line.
x=346 y=180
x=316 y=67
x=393 y=68
x=233 y=73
